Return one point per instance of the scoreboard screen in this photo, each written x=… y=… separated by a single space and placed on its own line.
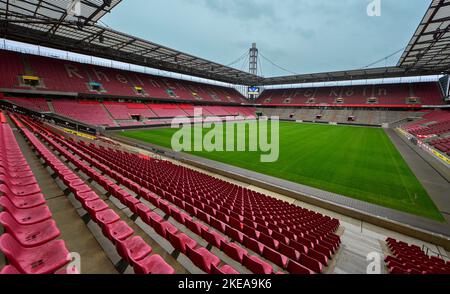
x=253 y=90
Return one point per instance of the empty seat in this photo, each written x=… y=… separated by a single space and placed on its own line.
x=84 y=197
x=154 y=265
x=181 y=241
x=45 y=259
x=289 y=252
x=118 y=231
x=234 y=251
x=297 y=269
x=29 y=216
x=142 y=211
x=9 y=270
x=253 y=245
x=95 y=206
x=318 y=256
x=195 y=227
x=25 y=202
x=106 y=217
x=202 y=258
x=153 y=218
x=275 y=257
x=310 y=263
x=213 y=238
x=234 y=234
x=133 y=249
x=218 y=225
x=268 y=241
x=24 y=190
x=224 y=270
x=257 y=266
x=178 y=216
x=163 y=227
x=32 y=235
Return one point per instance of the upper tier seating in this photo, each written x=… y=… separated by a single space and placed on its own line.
x=66 y=76
x=410 y=259
x=386 y=94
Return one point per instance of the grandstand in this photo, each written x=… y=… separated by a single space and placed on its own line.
x=85 y=166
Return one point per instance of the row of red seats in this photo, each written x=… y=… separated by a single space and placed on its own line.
x=267 y=250
x=410 y=259
x=434 y=123
x=181 y=242
x=71 y=77
x=211 y=192
x=265 y=238
x=442 y=145
x=200 y=256
x=29 y=242
x=131 y=248
x=35 y=104
x=388 y=94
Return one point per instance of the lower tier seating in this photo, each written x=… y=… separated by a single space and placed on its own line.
x=411 y=259
x=433 y=124
x=29 y=239
x=131 y=248
x=278 y=234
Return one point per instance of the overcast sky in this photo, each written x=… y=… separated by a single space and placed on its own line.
x=303 y=36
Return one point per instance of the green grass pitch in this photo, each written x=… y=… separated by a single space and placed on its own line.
x=357 y=162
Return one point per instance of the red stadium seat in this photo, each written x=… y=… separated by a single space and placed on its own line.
x=234 y=251
x=275 y=257
x=297 y=269
x=26 y=216
x=118 y=231
x=257 y=266
x=45 y=259
x=154 y=265
x=133 y=249
x=25 y=202
x=202 y=258
x=31 y=235
x=224 y=270
x=106 y=217
x=181 y=241
x=9 y=270
x=213 y=238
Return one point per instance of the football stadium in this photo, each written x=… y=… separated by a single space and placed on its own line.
x=120 y=154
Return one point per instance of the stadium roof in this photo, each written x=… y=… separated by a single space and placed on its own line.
x=86 y=11
x=44 y=23
x=48 y=23
x=429 y=47
x=357 y=74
